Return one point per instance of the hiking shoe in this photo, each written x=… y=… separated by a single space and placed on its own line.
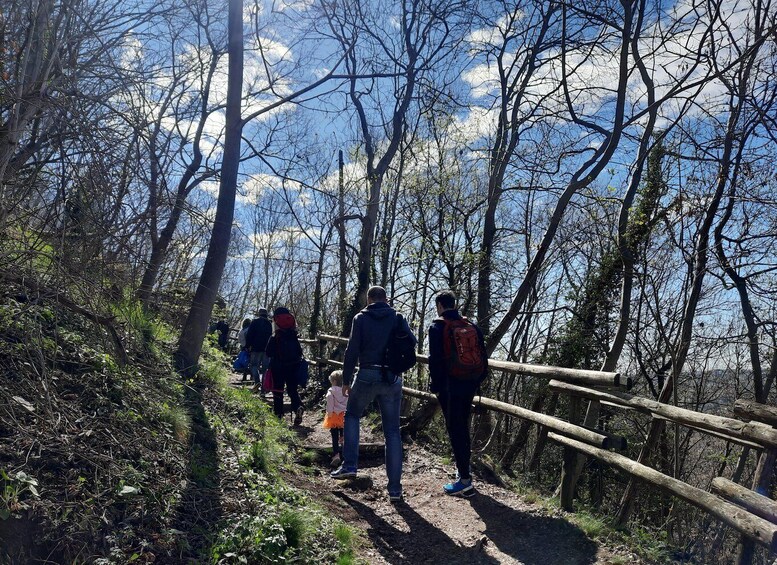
x=298 y=416
x=336 y=460
x=396 y=497
x=459 y=488
x=343 y=473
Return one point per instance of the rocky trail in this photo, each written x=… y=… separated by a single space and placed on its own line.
x=493 y=526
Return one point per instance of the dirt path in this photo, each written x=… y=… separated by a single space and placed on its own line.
x=493 y=526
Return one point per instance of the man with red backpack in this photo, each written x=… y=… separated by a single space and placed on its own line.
x=457 y=366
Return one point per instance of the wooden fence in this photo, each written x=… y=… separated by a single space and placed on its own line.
x=749 y=512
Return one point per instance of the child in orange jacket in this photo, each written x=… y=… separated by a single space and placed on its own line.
x=334 y=419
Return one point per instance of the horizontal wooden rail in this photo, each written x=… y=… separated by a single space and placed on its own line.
x=580 y=376
x=750 y=410
x=333 y=338
x=595 y=438
x=754 y=527
x=727 y=428
x=331 y=362
x=753 y=502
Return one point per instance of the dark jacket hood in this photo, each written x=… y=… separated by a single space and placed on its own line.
x=378 y=310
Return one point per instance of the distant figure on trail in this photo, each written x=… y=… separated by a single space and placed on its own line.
x=223 y=328
x=457 y=367
x=370 y=333
x=285 y=354
x=241 y=339
x=257 y=336
x=336 y=403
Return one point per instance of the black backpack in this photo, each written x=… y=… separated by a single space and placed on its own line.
x=400 y=350
x=287 y=348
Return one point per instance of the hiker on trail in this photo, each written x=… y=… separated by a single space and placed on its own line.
x=241 y=339
x=334 y=417
x=457 y=366
x=257 y=336
x=285 y=354
x=370 y=333
x=223 y=328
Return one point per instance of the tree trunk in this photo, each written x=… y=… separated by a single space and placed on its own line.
x=196 y=326
x=342 y=249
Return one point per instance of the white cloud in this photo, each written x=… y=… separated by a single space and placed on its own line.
x=354 y=175
x=276 y=242
x=251 y=191
x=592 y=77
x=298 y=5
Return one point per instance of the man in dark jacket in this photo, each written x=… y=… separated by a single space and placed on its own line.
x=257 y=336
x=370 y=333
x=455 y=392
x=223 y=328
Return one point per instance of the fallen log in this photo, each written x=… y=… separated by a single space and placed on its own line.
x=751 y=501
x=754 y=527
x=727 y=428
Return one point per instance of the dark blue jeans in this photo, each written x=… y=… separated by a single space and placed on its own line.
x=367 y=386
x=256 y=365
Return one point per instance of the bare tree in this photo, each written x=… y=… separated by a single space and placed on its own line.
x=423 y=41
x=196 y=325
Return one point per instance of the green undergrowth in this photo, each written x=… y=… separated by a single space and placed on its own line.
x=91 y=450
x=274 y=522
x=110 y=463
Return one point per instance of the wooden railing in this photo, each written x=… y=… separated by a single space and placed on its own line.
x=750 y=513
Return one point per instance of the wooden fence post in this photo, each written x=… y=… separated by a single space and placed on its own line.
x=761 y=481
x=320 y=359
x=567 y=496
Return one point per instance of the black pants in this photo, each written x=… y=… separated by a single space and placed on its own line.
x=285 y=377
x=337 y=434
x=457 y=408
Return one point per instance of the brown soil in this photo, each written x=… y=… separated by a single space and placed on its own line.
x=493 y=526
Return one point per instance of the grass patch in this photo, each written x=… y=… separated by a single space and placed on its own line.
x=593 y=526
x=178 y=419
x=294 y=525
x=308 y=457
x=531 y=498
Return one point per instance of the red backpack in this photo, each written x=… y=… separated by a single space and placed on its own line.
x=465 y=359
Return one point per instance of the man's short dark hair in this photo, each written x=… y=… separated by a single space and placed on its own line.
x=446 y=299
x=377 y=293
